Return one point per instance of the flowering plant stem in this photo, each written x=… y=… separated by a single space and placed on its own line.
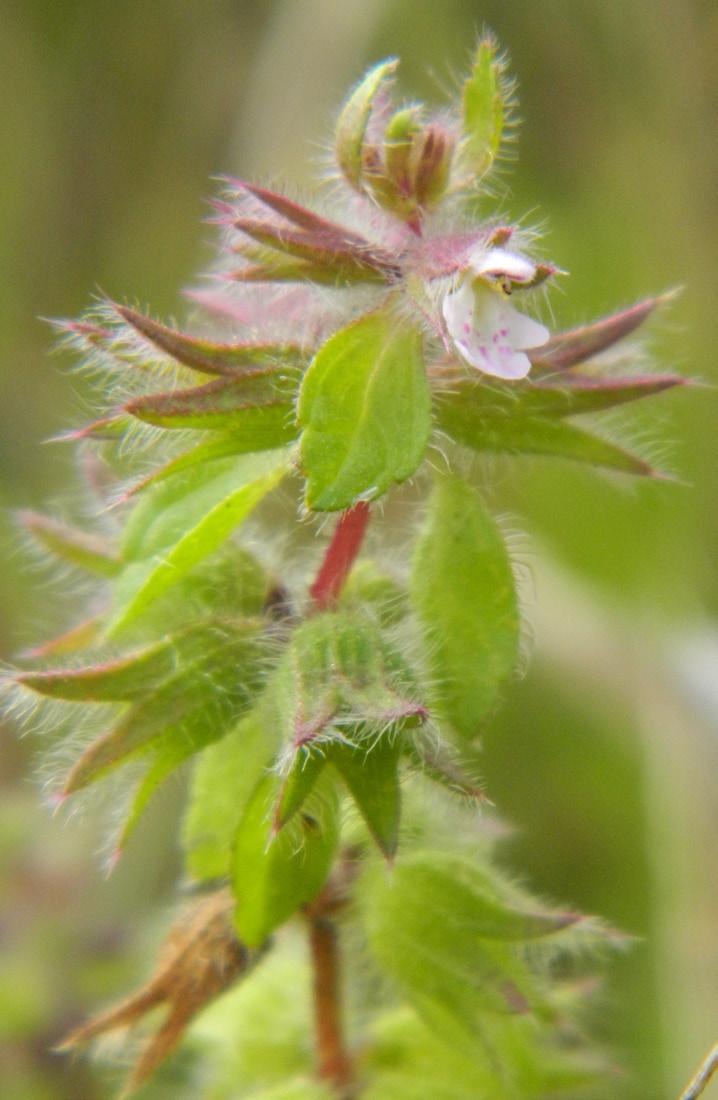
x=340 y=555
x=333 y=1061
x=333 y=735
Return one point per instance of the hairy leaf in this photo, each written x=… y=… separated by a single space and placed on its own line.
x=205 y=693
x=180 y=522
x=225 y=776
x=118 y=680
x=429 y=932
x=365 y=408
x=88 y=552
x=483 y=109
x=560 y=396
x=372 y=775
x=502 y=433
x=207 y=356
x=257 y=409
x=217 y=446
x=341 y=257
x=354 y=118
x=578 y=344
x=274 y=874
x=305 y=769
x=337 y=674
x=166 y=755
x=463 y=590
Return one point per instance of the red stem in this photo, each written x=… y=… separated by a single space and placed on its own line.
x=334 y=1065
x=340 y=556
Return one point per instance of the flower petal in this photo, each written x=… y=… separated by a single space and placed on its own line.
x=489 y=333
x=524 y=332
x=497 y=262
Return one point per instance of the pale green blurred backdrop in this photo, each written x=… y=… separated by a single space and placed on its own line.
x=114 y=115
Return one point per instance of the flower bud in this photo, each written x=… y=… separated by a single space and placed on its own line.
x=432 y=155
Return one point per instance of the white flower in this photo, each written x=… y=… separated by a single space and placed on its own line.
x=485 y=328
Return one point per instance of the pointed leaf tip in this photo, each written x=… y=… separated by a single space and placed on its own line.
x=354 y=119
x=87 y=552
x=483 y=106
x=576 y=345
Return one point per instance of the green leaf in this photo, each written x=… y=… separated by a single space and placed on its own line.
x=354 y=118
x=257 y=409
x=118 y=680
x=299 y=215
x=180 y=522
x=207 y=356
x=535 y=435
x=497 y=910
x=224 y=778
x=367 y=586
x=306 y=767
x=341 y=257
x=212 y=682
x=556 y=397
x=274 y=874
x=565 y=349
x=513 y=1060
x=167 y=755
x=87 y=552
x=219 y=446
x=437 y=763
x=338 y=673
x=463 y=590
x=483 y=109
x=372 y=775
x=429 y=932
x=365 y=408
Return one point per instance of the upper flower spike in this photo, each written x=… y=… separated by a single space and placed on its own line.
x=486 y=330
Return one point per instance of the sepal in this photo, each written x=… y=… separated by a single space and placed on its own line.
x=485 y=98
x=275 y=873
x=353 y=121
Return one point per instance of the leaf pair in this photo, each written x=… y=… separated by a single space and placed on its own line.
x=289 y=243
x=181 y=521
x=183 y=693
x=341 y=695
x=531 y=419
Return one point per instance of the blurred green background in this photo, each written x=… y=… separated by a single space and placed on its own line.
x=114 y=115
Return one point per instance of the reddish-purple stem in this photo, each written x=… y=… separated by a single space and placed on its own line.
x=333 y=1063
x=340 y=556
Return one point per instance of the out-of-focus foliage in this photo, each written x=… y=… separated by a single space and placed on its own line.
x=117 y=115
